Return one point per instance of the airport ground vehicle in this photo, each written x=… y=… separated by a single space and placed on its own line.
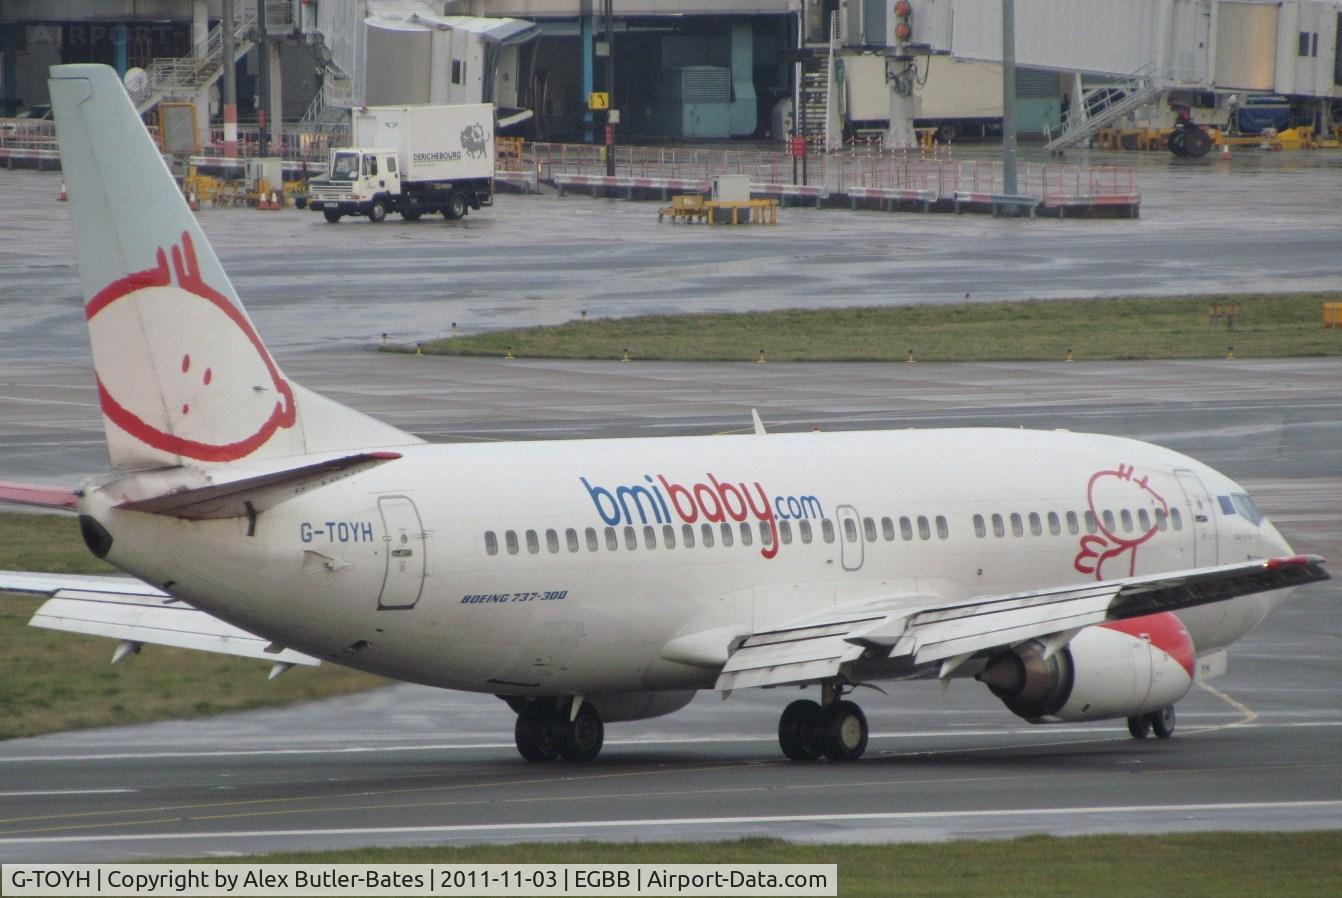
x=411 y=160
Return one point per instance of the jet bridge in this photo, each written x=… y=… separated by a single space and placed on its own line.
x=1291 y=47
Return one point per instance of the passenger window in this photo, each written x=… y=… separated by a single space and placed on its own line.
x=727 y=534
x=706 y=531
x=924 y=530
x=1162 y=519
x=1176 y=519
x=980 y=526
x=1036 y=525
x=1091 y=525
x=1125 y=517
x=533 y=542
x=1073 y=526
x=491 y=543
x=612 y=541
x=1109 y=523
x=766 y=535
x=943 y=529
x=827 y=530
x=887 y=529
x=669 y=536
x=630 y=538
x=869 y=529
x=649 y=536
x=510 y=540
x=906 y=528
x=687 y=535
x=850 y=530
x=1143 y=520
x=1054 y=523
x=999 y=526
x=590 y=533
x=745 y=534
x=785 y=532
x=571 y=537
x=1017 y=525
x=804 y=528
x=552 y=540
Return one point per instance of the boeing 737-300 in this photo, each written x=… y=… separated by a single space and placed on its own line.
x=1078 y=576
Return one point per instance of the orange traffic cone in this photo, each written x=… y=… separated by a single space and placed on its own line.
x=275 y=204
x=192 y=203
x=64 y=197
x=262 y=201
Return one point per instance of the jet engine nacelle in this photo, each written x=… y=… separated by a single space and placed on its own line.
x=1120 y=669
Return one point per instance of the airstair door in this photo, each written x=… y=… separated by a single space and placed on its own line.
x=1205 y=548
x=850 y=537
x=403 y=546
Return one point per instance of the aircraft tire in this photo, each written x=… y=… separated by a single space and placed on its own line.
x=1196 y=143
x=538 y=732
x=799 y=731
x=583 y=736
x=1162 y=722
x=1140 y=726
x=843 y=729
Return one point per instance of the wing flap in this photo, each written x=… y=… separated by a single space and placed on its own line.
x=42 y=496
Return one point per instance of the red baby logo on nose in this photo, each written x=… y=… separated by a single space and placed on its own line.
x=180 y=367
x=1117 y=489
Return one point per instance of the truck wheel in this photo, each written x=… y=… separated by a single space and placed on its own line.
x=455 y=208
x=332 y=215
x=1177 y=146
x=1196 y=143
x=411 y=214
x=378 y=211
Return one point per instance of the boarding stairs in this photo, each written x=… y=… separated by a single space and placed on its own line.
x=820 y=122
x=329 y=110
x=1103 y=105
x=183 y=78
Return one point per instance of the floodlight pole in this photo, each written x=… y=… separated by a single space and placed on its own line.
x=1009 y=97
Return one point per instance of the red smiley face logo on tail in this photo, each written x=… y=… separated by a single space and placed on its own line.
x=179 y=366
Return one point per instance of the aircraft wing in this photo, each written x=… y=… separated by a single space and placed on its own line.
x=902 y=628
x=134 y=612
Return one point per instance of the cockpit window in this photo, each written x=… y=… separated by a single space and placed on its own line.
x=1247 y=507
x=1227 y=507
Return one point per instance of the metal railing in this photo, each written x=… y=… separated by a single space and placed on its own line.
x=185 y=74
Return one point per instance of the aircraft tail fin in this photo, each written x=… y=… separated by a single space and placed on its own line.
x=183 y=376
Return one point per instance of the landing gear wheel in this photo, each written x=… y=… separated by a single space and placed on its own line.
x=1140 y=726
x=331 y=215
x=583 y=736
x=1162 y=722
x=843 y=729
x=538 y=732
x=456 y=207
x=377 y=212
x=799 y=731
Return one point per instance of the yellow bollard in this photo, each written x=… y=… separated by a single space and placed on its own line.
x=419 y=349
x=510 y=353
x=384 y=341
x=1069 y=357
x=454 y=329
x=624 y=357
x=910 y=360
x=761 y=358
x=1230 y=353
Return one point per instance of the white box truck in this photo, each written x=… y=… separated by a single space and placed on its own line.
x=413 y=160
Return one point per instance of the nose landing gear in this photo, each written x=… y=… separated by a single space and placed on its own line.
x=837 y=729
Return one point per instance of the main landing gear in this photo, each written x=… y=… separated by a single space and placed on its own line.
x=548 y=729
x=1160 y=722
x=836 y=729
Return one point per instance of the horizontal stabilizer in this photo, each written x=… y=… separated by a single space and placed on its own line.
x=237 y=498
x=43 y=496
x=132 y=611
x=905 y=628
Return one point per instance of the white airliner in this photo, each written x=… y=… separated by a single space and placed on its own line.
x=1078 y=576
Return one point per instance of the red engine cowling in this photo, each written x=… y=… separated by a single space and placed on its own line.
x=1120 y=669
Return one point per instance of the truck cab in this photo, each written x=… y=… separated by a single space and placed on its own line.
x=359 y=182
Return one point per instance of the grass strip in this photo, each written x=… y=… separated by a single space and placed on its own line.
x=52 y=681
x=1278 y=325
x=1196 y=865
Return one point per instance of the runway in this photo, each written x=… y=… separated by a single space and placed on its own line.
x=411 y=765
